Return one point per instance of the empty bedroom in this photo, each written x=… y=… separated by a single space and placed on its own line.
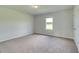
x=39 y=29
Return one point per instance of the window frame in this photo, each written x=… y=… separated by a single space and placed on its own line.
x=47 y=24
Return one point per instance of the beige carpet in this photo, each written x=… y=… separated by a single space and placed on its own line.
x=38 y=44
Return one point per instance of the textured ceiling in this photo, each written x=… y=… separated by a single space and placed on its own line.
x=41 y=10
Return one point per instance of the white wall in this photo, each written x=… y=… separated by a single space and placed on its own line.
x=76 y=25
x=14 y=24
x=62 y=24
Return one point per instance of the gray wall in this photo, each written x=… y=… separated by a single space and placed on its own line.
x=62 y=24
x=14 y=24
x=76 y=25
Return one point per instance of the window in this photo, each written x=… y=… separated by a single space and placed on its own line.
x=49 y=23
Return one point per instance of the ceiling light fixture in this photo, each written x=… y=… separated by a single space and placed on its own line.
x=35 y=6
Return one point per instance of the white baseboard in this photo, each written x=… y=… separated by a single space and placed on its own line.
x=57 y=36
x=14 y=36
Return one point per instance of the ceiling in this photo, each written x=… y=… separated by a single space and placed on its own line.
x=40 y=10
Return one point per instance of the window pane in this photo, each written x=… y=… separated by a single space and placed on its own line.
x=49 y=20
x=49 y=27
x=49 y=23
